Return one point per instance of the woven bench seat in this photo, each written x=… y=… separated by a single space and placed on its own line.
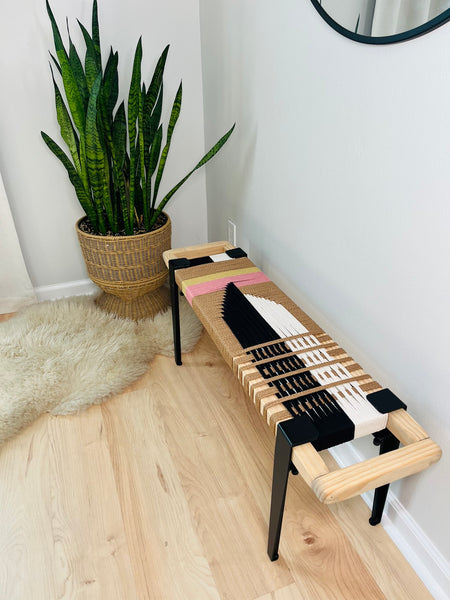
x=215 y=276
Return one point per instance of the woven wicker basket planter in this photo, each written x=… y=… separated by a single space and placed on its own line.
x=129 y=269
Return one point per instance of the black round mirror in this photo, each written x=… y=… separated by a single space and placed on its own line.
x=383 y=21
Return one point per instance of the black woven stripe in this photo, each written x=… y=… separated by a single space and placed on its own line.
x=201 y=260
x=251 y=329
x=333 y=425
x=248 y=326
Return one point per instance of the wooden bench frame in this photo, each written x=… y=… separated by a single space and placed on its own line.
x=293 y=455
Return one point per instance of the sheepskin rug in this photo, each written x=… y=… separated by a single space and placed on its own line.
x=63 y=356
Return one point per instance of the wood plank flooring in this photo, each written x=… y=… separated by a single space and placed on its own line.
x=163 y=493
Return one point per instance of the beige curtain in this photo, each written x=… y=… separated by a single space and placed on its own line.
x=395 y=16
x=437 y=7
x=15 y=285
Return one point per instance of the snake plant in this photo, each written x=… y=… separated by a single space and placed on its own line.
x=117 y=156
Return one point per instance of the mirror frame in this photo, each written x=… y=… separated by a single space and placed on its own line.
x=386 y=39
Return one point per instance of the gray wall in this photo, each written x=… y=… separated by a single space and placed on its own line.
x=338 y=178
x=42 y=200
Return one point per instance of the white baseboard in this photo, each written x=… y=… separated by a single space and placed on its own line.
x=426 y=560
x=82 y=287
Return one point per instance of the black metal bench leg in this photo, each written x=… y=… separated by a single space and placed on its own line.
x=289 y=434
x=174 y=299
x=281 y=469
x=387 y=442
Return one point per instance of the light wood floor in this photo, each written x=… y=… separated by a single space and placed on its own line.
x=163 y=493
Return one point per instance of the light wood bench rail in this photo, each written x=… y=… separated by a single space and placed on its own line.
x=375 y=472
x=419 y=452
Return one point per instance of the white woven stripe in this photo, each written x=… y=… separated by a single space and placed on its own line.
x=349 y=396
x=220 y=257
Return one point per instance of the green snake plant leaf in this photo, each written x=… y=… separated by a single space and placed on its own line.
x=119 y=140
x=56 y=63
x=157 y=80
x=176 y=108
x=144 y=124
x=110 y=197
x=83 y=196
x=80 y=79
x=152 y=142
x=134 y=99
x=96 y=160
x=107 y=99
x=73 y=95
x=110 y=86
x=68 y=133
x=120 y=184
x=78 y=71
x=142 y=152
x=153 y=161
x=96 y=35
x=155 y=151
x=153 y=137
x=153 y=105
x=214 y=150
x=138 y=198
x=120 y=135
x=91 y=66
x=152 y=120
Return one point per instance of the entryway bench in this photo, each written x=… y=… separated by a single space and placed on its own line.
x=309 y=391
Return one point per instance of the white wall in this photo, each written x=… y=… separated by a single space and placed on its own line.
x=42 y=199
x=338 y=178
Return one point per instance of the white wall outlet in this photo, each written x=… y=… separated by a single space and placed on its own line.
x=231 y=232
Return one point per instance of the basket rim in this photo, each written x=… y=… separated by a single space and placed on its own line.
x=139 y=236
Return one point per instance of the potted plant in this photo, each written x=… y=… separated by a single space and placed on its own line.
x=117 y=157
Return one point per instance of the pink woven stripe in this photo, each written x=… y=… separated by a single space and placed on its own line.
x=218 y=284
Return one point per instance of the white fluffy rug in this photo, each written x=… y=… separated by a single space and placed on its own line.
x=66 y=355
